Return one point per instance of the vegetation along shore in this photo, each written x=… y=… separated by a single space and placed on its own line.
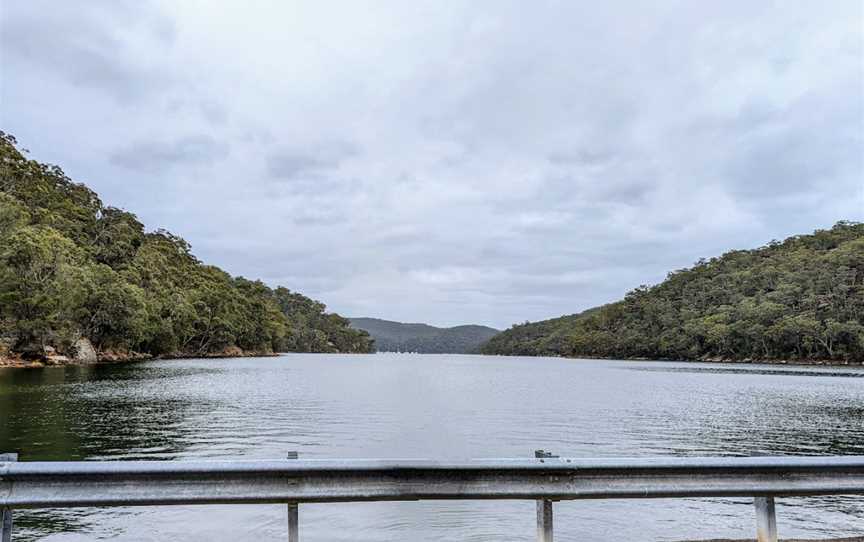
x=82 y=282
x=796 y=301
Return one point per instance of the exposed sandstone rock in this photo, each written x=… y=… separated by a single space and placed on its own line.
x=232 y=352
x=84 y=351
x=119 y=356
x=56 y=359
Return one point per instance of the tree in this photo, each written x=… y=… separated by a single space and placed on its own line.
x=36 y=279
x=800 y=299
x=71 y=267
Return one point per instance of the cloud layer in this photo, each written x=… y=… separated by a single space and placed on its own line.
x=487 y=162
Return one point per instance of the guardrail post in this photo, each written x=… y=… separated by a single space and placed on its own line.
x=6 y=513
x=544 y=508
x=293 y=514
x=766 y=519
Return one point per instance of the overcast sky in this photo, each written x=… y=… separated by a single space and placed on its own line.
x=445 y=161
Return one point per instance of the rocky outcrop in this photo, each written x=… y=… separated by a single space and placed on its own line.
x=50 y=356
x=84 y=351
x=119 y=356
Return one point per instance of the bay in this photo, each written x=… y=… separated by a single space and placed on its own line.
x=436 y=407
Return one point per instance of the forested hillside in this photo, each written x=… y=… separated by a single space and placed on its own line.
x=800 y=299
x=71 y=267
x=392 y=336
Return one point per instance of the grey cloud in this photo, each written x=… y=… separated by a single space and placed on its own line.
x=291 y=163
x=317 y=217
x=158 y=156
x=775 y=168
x=214 y=112
x=87 y=43
x=500 y=165
x=784 y=160
x=581 y=157
x=297 y=269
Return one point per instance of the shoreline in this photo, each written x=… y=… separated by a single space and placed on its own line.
x=111 y=357
x=744 y=361
x=748 y=361
x=114 y=358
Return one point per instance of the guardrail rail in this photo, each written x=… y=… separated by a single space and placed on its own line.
x=544 y=478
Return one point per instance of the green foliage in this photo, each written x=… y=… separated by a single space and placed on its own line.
x=802 y=299
x=36 y=275
x=119 y=235
x=108 y=310
x=71 y=267
x=398 y=337
x=311 y=329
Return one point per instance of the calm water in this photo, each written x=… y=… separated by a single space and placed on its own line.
x=413 y=406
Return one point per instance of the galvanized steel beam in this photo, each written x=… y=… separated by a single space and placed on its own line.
x=122 y=483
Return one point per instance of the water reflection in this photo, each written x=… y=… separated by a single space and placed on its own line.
x=79 y=413
x=432 y=406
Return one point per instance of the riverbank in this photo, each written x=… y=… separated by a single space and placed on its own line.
x=744 y=361
x=110 y=357
x=716 y=359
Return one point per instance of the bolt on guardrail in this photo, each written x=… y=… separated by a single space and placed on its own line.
x=293 y=513
x=544 y=508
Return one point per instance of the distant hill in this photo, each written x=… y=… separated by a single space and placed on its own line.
x=800 y=300
x=398 y=337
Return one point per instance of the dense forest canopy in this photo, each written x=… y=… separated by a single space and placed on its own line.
x=71 y=267
x=392 y=336
x=800 y=299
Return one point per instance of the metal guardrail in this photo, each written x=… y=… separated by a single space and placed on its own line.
x=545 y=478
